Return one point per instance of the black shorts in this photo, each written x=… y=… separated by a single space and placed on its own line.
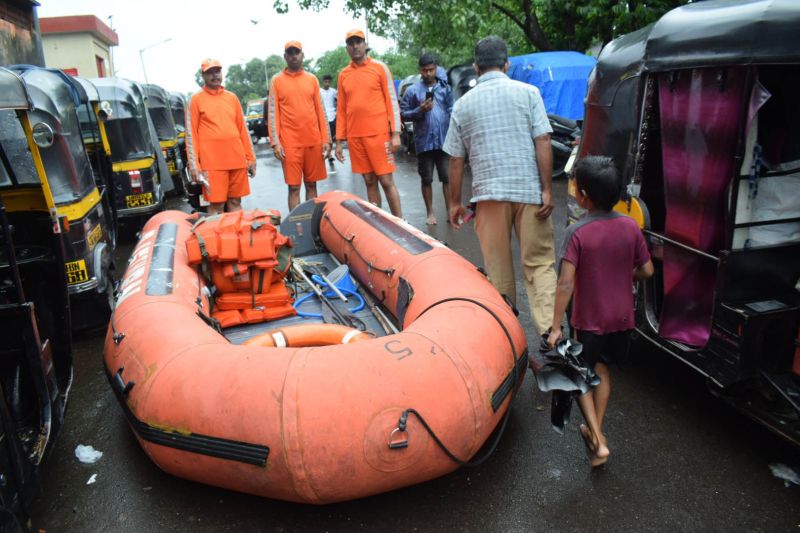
x=426 y=161
x=332 y=126
x=611 y=347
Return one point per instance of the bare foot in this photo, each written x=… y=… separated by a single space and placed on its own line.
x=431 y=220
x=596 y=449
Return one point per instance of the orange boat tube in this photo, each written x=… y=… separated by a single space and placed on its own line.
x=316 y=424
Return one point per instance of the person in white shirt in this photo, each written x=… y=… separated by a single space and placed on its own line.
x=329 y=97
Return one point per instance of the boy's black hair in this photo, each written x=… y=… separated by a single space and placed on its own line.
x=427 y=59
x=597 y=176
x=327 y=77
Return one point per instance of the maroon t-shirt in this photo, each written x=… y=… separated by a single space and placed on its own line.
x=605 y=249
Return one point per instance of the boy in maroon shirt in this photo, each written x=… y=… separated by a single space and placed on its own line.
x=603 y=253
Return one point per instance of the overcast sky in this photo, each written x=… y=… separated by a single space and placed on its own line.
x=203 y=28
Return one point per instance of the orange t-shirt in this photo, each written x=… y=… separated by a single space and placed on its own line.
x=219 y=139
x=367 y=101
x=296 y=113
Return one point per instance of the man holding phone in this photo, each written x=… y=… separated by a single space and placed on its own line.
x=428 y=103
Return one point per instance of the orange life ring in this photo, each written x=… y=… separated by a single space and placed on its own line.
x=305 y=335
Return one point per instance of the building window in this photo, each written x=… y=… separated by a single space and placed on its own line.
x=101 y=67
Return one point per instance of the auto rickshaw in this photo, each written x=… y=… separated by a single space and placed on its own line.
x=256 y=119
x=192 y=190
x=36 y=365
x=159 y=108
x=177 y=106
x=71 y=190
x=139 y=170
x=700 y=112
x=92 y=133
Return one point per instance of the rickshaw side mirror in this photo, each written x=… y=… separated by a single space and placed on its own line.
x=43 y=135
x=105 y=111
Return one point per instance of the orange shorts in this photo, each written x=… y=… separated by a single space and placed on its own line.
x=226 y=184
x=371 y=154
x=303 y=164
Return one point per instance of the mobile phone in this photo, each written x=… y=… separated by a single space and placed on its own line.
x=429 y=95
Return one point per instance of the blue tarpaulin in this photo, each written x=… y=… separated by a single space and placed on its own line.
x=561 y=77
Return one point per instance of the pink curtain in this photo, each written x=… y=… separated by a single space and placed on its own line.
x=700 y=111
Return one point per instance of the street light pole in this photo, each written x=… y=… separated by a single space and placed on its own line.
x=141 y=55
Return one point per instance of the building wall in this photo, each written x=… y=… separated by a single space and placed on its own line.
x=19 y=42
x=76 y=51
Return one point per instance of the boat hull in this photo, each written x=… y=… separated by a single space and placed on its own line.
x=314 y=424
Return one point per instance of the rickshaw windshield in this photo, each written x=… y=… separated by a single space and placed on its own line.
x=127 y=131
x=65 y=162
x=179 y=118
x=255 y=109
x=88 y=123
x=15 y=147
x=162 y=120
x=66 y=165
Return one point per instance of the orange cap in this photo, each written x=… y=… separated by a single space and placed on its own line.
x=354 y=33
x=209 y=63
x=293 y=44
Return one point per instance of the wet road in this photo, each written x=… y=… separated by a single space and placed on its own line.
x=682 y=461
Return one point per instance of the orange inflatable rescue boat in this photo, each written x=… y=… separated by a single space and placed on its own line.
x=395 y=364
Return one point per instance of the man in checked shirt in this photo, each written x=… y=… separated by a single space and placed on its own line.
x=502 y=126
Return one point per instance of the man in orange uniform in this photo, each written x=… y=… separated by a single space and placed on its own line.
x=298 y=128
x=219 y=149
x=367 y=115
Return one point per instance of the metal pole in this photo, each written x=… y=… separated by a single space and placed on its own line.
x=141 y=58
x=141 y=55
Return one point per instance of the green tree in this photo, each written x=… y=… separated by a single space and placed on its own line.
x=332 y=62
x=528 y=25
x=400 y=64
x=248 y=81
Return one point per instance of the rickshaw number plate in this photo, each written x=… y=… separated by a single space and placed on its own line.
x=94 y=236
x=76 y=272
x=139 y=200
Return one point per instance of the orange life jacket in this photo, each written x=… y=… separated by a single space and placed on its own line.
x=245 y=257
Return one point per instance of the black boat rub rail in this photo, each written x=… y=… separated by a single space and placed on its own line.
x=243 y=452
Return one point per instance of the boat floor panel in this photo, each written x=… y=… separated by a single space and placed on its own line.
x=324 y=262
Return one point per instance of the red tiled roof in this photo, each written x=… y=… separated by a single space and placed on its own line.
x=79 y=24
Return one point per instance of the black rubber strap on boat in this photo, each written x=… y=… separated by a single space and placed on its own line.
x=162 y=261
x=371 y=266
x=243 y=452
x=391 y=229
x=515 y=373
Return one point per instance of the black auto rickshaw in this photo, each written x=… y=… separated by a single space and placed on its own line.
x=256 y=118
x=159 y=108
x=139 y=170
x=36 y=363
x=192 y=190
x=177 y=106
x=99 y=155
x=700 y=112
x=88 y=232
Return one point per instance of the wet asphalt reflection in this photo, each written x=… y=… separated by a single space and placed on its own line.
x=681 y=460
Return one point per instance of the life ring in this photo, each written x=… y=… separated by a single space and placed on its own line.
x=305 y=335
